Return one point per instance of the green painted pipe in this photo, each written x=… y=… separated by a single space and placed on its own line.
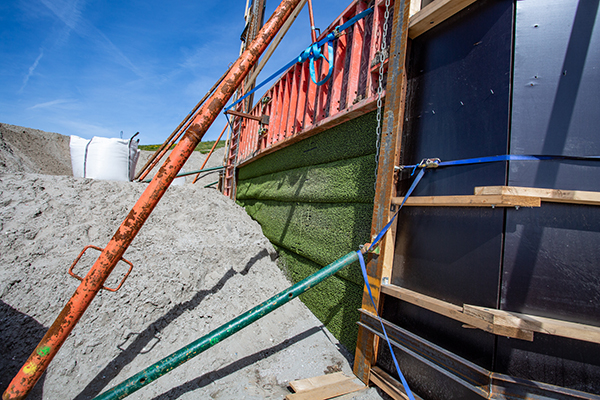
x=191 y=173
x=210 y=184
x=186 y=353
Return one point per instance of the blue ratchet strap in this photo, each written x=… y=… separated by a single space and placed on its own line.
x=504 y=157
x=313 y=53
x=366 y=279
x=317 y=46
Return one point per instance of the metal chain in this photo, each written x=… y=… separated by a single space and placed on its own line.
x=382 y=57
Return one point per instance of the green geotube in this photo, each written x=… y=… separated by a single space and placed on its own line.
x=188 y=352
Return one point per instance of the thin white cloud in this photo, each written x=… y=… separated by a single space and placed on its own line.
x=69 y=12
x=49 y=104
x=87 y=130
x=31 y=69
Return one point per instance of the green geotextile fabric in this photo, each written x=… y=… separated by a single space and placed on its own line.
x=334 y=182
x=321 y=232
x=335 y=301
x=314 y=201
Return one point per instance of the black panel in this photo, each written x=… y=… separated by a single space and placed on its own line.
x=552 y=262
x=558 y=361
x=459 y=88
x=472 y=344
x=552 y=253
x=450 y=253
x=556 y=84
x=426 y=382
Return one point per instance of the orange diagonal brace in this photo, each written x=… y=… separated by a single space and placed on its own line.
x=36 y=364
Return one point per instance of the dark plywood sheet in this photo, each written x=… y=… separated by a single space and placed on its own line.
x=551 y=262
x=555 y=98
x=552 y=253
x=550 y=359
x=471 y=344
x=451 y=254
x=459 y=89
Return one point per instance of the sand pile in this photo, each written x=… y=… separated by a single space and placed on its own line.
x=200 y=260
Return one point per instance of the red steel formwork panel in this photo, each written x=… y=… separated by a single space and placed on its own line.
x=298 y=108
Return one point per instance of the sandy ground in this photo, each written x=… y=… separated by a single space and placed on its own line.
x=199 y=261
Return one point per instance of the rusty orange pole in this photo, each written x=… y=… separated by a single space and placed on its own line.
x=210 y=153
x=45 y=351
x=170 y=140
x=313 y=32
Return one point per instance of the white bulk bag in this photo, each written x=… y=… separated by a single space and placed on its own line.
x=78 y=147
x=105 y=158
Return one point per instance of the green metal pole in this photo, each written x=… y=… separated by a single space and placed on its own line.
x=186 y=353
x=210 y=184
x=190 y=173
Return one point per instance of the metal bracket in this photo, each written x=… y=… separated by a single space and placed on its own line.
x=430 y=163
x=99 y=249
x=263 y=119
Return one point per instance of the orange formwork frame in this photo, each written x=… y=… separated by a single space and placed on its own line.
x=45 y=351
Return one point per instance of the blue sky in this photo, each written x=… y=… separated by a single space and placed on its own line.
x=96 y=68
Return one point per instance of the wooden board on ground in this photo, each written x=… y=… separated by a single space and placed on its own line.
x=324 y=387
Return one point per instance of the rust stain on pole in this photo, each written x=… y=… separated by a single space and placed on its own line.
x=38 y=361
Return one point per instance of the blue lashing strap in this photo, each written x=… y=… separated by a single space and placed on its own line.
x=313 y=52
x=436 y=162
x=366 y=279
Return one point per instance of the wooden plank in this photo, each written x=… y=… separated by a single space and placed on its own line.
x=470 y=201
x=549 y=326
x=549 y=195
x=389 y=385
x=391 y=139
x=415 y=7
x=303 y=385
x=433 y=14
x=455 y=312
x=329 y=391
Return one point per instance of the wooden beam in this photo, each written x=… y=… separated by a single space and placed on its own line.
x=389 y=384
x=499 y=322
x=470 y=201
x=385 y=189
x=415 y=7
x=549 y=195
x=456 y=312
x=433 y=14
x=263 y=119
x=548 y=326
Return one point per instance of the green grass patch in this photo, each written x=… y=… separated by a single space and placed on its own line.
x=203 y=147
